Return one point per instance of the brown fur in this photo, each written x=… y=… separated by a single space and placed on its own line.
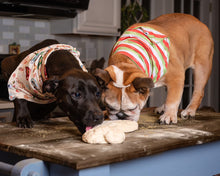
x=191 y=46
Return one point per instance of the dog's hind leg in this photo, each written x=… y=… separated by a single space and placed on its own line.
x=202 y=71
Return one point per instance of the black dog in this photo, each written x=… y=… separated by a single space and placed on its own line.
x=77 y=92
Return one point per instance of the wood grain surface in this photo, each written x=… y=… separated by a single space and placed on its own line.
x=58 y=140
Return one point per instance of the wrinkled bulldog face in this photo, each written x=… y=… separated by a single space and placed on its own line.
x=123 y=101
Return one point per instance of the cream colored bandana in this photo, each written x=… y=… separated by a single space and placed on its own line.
x=27 y=80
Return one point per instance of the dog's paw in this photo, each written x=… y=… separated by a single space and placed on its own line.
x=188 y=113
x=25 y=122
x=160 y=110
x=168 y=118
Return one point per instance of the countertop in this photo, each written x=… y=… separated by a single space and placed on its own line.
x=6 y=104
x=58 y=141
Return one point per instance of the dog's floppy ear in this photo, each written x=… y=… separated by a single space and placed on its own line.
x=142 y=84
x=97 y=64
x=102 y=77
x=50 y=86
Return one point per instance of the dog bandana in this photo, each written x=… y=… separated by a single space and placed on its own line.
x=27 y=80
x=147 y=48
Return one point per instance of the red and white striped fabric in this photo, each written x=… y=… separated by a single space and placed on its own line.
x=147 y=48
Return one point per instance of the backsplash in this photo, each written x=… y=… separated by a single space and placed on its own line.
x=22 y=31
x=28 y=32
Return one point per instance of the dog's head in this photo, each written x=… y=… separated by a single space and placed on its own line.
x=125 y=92
x=78 y=94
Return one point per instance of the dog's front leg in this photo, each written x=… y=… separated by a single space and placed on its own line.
x=160 y=110
x=22 y=114
x=174 y=94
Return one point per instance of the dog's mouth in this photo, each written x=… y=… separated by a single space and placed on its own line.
x=87 y=123
x=83 y=127
x=129 y=114
x=88 y=128
x=113 y=114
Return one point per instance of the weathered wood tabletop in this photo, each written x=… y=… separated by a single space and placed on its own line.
x=58 y=141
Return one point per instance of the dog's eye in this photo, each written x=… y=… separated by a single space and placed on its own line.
x=98 y=94
x=76 y=95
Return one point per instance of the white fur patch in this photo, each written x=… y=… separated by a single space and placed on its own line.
x=131 y=109
x=126 y=103
x=119 y=78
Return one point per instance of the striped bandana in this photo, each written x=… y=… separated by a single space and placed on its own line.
x=27 y=80
x=147 y=48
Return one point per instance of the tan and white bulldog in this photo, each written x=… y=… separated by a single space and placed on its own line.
x=153 y=54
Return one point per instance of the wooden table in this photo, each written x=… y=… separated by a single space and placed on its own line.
x=57 y=141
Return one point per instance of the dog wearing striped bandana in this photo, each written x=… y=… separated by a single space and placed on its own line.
x=154 y=54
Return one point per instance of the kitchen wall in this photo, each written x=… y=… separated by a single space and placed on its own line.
x=28 y=32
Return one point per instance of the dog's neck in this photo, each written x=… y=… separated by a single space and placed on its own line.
x=120 y=60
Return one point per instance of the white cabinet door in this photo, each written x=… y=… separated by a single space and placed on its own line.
x=101 y=18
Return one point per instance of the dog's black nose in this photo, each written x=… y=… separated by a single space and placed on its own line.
x=121 y=115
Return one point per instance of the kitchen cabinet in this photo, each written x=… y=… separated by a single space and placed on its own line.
x=101 y=18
